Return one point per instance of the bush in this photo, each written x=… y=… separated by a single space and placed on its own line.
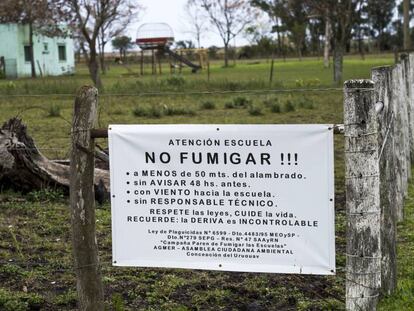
x=154 y=112
x=275 y=108
x=255 y=110
x=139 y=112
x=54 y=111
x=175 y=111
x=207 y=105
x=241 y=102
x=289 y=106
x=299 y=83
x=229 y=105
x=269 y=102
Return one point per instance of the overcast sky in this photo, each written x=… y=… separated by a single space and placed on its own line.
x=172 y=13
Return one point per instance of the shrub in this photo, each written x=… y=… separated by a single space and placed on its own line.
x=207 y=105
x=54 y=111
x=154 y=112
x=269 y=102
x=255 y=110
x=275 y=108
x=299 y=83
x=289 y=106
x=139 y=112
x=241 y=102
x=229 y=105
x=175 y=111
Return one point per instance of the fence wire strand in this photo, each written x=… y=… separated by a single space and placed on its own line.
x=190 y=93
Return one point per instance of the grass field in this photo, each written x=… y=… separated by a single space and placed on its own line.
x=35 y=254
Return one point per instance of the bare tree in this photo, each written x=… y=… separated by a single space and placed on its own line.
x=40 y=16
x=115 y=25
x=196 y=19
x=230 y=17
x=91 y=17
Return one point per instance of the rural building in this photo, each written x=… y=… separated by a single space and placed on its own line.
x=53 y=55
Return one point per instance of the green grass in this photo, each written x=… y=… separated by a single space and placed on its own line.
x=403 y=297
x=39 y=222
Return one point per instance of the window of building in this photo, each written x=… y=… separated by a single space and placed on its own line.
x=45 y=48
x=27 y=53
x=62 y=52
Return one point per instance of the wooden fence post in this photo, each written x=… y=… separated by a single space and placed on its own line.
x=410 y=83
x=363 y=264
x=399 y=150
x=386 y=118
x=82 y=201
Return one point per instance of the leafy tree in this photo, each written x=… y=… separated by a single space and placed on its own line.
x=380 y=13
x=342 y=15
x=122 y=43
x=293 y=17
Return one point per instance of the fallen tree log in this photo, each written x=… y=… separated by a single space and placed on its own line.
x=24 y=168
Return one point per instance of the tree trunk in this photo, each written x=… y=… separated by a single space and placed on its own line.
x=327 y=44
x=94 y=67
x=406 y=24
x=299 y=49
x=32 y=59
x=102 y=57
x=338 y=59
x=226 y=54
x=24 y=168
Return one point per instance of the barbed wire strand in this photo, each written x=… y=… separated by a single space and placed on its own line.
x=176 y=93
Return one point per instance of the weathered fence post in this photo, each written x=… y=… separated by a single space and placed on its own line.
x=400 y=159
x=363 y=262
x=410 y=83
x=82 y=201
x=381 y=78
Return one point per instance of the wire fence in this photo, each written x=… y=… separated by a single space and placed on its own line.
x=186 y=93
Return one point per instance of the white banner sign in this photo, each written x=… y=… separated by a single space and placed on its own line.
x=255 y=198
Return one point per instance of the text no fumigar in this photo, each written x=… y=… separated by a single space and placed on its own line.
x=210 y=158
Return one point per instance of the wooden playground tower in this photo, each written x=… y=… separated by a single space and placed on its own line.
x=158 y=38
